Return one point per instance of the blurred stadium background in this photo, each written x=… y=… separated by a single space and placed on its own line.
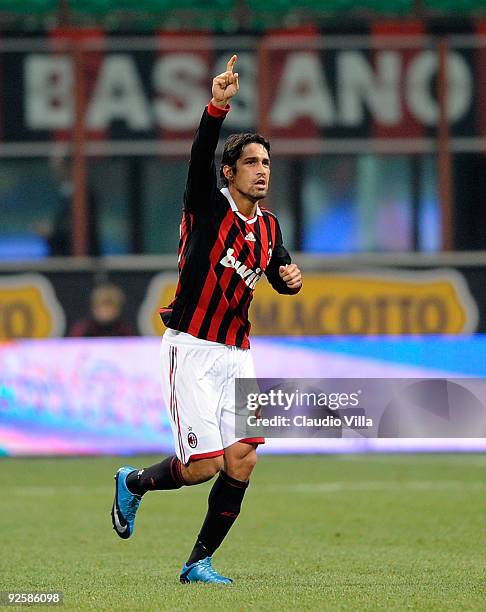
x=376 y=112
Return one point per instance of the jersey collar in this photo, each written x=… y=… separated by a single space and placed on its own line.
x=226 y=192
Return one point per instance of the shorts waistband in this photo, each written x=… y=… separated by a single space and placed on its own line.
x=174 y=336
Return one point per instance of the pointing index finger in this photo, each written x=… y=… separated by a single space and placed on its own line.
x=231 y=63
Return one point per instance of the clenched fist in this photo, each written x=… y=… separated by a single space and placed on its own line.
x=292 y=276
x=225 y=85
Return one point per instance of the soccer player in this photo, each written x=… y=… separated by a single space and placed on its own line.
x=227 y=242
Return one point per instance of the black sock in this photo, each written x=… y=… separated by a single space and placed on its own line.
x=161 y=476
x=224 y=505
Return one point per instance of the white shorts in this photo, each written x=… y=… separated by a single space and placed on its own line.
x=199 y=392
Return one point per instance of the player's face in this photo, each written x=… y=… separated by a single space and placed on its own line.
x=252 y=172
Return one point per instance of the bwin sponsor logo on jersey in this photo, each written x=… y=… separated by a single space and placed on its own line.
x=251 y=277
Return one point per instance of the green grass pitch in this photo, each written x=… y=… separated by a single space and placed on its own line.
x=366 y=532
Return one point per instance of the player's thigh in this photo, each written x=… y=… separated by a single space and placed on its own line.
x=191 y=396
x=243 y=367
x=240 y=453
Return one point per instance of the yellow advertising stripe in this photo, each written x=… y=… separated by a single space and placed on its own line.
x=379 y=302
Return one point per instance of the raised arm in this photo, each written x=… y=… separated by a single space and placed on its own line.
x=202 y=177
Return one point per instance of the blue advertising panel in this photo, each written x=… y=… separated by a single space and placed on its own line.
x=103 y=396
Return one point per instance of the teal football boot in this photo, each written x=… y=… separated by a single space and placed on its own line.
x=202 y=571
x=125 y=504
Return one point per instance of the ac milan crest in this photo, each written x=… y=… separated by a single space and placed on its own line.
x=192 y=439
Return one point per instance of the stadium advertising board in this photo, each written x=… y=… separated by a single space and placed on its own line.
x=374 y=303
x=339 y=302
x=151 y=90
x=121 y=92
x=102 y=396
x=396 y=303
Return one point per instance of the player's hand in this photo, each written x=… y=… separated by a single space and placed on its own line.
x=291 y=275
x=225 y=85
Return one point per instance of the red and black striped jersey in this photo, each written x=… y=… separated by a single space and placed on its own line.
x=222 y=254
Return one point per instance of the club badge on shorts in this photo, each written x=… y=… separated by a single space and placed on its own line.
x=192 y=439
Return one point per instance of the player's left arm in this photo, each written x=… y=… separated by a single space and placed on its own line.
x=284 y=276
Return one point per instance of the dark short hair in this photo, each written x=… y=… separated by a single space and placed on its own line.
x=233 y=148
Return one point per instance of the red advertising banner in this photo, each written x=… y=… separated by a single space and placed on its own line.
x=310 y=93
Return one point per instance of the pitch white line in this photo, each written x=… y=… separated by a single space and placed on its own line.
x=58 y=490
x=378 y=485
x=304 y=487
x=410 y=459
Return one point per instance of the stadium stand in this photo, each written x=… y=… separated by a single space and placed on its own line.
x=219 y=15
